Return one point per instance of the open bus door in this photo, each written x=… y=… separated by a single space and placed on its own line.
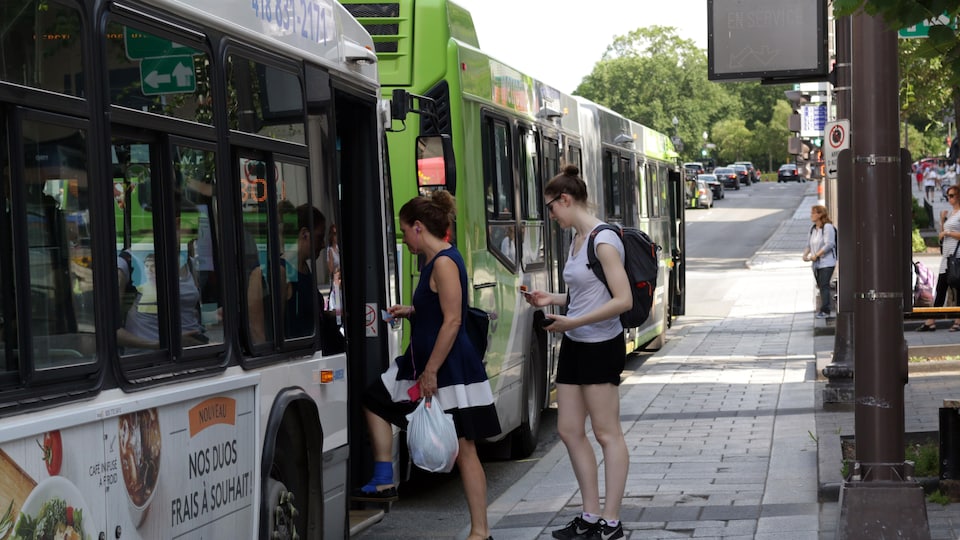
x=678 y=276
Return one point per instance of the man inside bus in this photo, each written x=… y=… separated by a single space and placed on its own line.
x=300 y=313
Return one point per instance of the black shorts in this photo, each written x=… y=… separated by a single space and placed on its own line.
x=591 y=363
x=377 y=400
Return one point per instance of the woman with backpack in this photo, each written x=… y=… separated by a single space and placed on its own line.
x=592 y=356
x=821 y=251
x=949 y=238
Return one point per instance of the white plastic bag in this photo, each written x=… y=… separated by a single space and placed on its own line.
x=432 y=437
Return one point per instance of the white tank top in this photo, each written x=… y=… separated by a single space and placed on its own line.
x=588 y=293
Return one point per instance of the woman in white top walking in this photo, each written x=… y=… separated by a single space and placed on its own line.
x=949 y=239
x=821 y=250
x=592 y=356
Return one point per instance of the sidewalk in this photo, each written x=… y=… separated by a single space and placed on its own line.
x=724 y=426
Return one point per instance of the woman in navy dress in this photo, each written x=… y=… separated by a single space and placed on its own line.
x=440 y=361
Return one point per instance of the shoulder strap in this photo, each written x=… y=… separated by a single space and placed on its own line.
x=591 y=250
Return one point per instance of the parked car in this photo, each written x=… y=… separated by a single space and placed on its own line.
x=788 y=173
x=742 y=172
x=751 y=170
x=704 y=195
x=715 y=185
x=728 y=177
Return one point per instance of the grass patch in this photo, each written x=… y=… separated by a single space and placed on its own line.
x=939 y=498
x=925 y=455
x=922 y=359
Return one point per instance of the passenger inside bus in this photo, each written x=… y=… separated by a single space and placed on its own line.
x=299 y=309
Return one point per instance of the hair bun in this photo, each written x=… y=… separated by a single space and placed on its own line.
x=571 y=170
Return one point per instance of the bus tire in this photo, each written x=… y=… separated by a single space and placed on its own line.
x=525 y=437
x=281 y=517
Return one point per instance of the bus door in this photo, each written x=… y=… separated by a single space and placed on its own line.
x=678 y=276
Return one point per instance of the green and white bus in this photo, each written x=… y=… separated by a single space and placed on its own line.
x=172 y=360
x=510 y=133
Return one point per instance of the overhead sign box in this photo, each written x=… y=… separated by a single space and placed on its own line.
x=767 y=39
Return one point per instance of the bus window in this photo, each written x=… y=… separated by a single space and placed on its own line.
x=644 y=190
x=153 y=73
x=264 y=100
x=531 y=198
x=303 y=232
x=500 y=191
x=199 y=267
x=52 y=63
x=60 y=261
x=256 y=244
x=612 y=186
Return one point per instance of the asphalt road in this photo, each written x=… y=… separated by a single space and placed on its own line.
x=719 y=241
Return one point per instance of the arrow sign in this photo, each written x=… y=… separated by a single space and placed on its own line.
x=167 y=75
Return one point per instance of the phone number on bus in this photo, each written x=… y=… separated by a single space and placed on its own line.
x=310 y=19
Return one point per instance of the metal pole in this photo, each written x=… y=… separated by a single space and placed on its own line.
x=881 y=499
x=840 y=370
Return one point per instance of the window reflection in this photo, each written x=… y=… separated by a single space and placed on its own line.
x=40 y=46
x=60 y=258
x=264 y=100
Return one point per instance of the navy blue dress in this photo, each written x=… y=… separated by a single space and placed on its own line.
x=462 y=385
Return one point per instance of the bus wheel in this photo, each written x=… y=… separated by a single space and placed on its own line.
x=282 y=513
x=524 y=439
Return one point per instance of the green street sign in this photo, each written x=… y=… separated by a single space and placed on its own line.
x=922 y=29
x=170 y=75
x=143 y=45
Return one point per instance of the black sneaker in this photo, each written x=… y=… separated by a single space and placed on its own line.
x=577 y=529
x=605 y=532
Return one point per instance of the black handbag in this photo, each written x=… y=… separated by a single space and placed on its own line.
x=953 y=269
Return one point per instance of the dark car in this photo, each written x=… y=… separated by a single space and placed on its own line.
x=728 y=177
x=788 y=173
x=743 y=173
x=751 y=170
x=715 y=185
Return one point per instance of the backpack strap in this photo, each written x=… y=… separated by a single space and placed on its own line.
x=593 y=262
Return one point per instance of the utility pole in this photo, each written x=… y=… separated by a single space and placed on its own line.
x=880 y=499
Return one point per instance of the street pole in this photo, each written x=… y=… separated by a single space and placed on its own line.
x=880 y=499
x=839 y=389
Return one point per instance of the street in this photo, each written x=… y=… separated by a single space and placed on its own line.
x=719 y=241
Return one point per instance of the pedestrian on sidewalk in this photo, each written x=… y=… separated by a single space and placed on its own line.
x=949 y=239
x=821 y=250
x=440 y=362
x=592 y=356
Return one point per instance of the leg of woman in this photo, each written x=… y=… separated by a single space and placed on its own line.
x=381 y=436
x=603 y=406
x=941 y=297
x=571 y=425
x=474 y=487
x=823 y=283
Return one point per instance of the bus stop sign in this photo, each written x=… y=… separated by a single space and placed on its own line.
x=837 y=139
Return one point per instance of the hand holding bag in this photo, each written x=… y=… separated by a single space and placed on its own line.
x=432 y=437
x=953 y=269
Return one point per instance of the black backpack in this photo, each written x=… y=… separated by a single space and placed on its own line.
x=641 y=264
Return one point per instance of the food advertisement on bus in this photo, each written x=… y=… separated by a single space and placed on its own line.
x=180 y=470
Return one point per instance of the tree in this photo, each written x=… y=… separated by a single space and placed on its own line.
x=942 y=42
x=651 y=76
x=731 y=137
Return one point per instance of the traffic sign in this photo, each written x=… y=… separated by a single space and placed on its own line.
x=169 y=75
x=922 y=29
x=837 y=138
x=143 y=45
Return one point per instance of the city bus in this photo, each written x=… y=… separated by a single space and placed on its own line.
x=178 y=360
x=510 y=133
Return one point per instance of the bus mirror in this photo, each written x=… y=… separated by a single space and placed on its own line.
x=436 y=166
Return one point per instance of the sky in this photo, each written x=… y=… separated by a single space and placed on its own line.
x=552 y=41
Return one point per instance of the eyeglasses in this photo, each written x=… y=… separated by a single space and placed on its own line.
x=951 y=195
x=551 y=203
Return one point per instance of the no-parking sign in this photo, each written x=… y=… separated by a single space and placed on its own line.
x=836 y=138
